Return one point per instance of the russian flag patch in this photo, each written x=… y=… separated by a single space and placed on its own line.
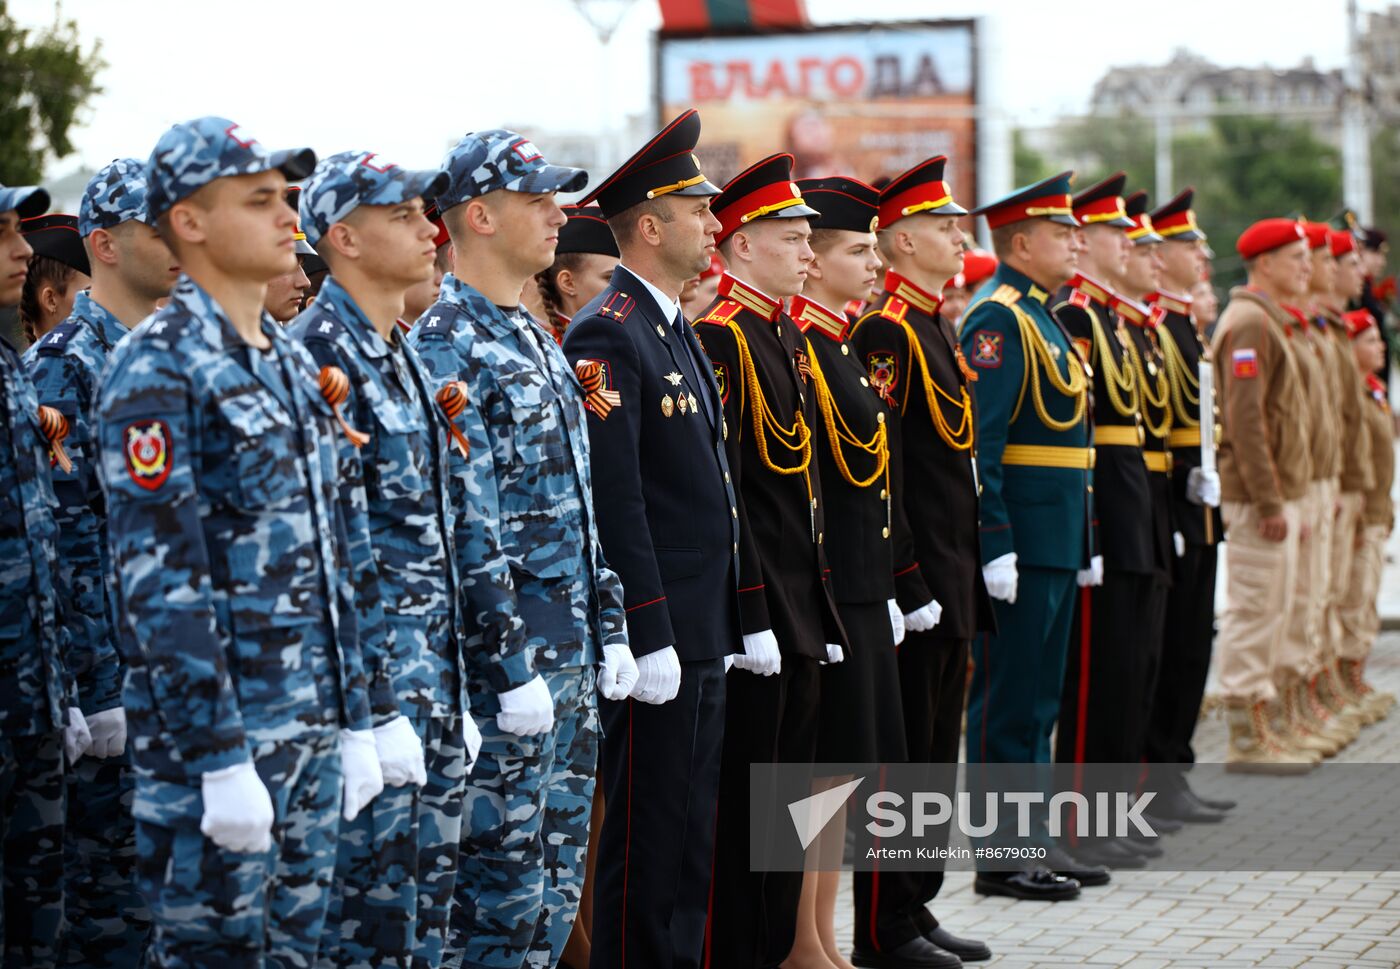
x=1245 y=363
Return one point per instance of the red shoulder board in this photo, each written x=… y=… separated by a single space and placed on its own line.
x=895 y=309
x=723 y=313
x=1080 y=299
x=618 y=305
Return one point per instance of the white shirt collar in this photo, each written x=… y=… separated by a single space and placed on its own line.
x=666 y=305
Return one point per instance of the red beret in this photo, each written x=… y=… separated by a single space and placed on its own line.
x=1267 y=235
x=715 y=268
x=978 y=264
x=1358 y=322
x=1317 y=234
x=1342 y=242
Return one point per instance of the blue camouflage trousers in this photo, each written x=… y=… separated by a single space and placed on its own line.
x=525 y=837
x=107 y=921
x=396 y=864
x=214 y=907
x=31 y=827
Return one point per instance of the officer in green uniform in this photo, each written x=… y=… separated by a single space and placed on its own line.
x=1034 y=462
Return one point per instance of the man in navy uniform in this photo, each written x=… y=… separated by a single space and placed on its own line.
x=1034 y=462
x=786 y=609
x=666 y=516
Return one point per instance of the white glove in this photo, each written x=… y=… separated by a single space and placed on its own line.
x=527 y=709
x=360 y=774
x=1203 y=487
x=1093 y=575
x=658 y=676
x=896 y=622
x=1179 y=543
x=1000 y=576
x=237 y=808
x=618 y=674
x=400 y=753
x=924 y=618
x=108 y=729
x=76 y=736
x=472 y=734
x=729 y=662
x=834 y=654
x=761 y=654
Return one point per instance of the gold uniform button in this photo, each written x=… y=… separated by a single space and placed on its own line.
x=734 y=511
x=780 y=329
x=885 y=532
x=880 y=417
x=726 y=477
x=884 y=494
x=845 y=350
x=659 y=331
x=864 y=382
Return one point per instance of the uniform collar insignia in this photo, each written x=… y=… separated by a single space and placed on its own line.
x=1171 y=302
x=1091 y=288
x=922 y=300
x=752 y=299
x=811 y=315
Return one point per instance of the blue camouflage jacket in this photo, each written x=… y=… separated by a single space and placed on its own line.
x=400 y=533
x=65 y=366
x=539 y=594
x=34 y=686
x=226 y=533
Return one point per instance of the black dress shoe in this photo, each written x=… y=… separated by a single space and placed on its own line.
x=1086 y=867
x=1160 y=824
x=1212 y=803
x=1142 y=847
x=1037 y=885
x=968 y=950
x=917 y=953
x=1177 y=805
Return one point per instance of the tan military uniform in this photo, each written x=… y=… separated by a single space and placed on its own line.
x=1357 y=477
x=1265 y=467
x=1358 y=615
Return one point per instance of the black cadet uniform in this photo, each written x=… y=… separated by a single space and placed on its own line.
x=770 y=407
x=667 y=519
x=912 y=355
x=1098 y=713
x=1190 y=622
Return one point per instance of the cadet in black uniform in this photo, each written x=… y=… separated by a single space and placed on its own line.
x=669 y=525
x=1190 y=623
x=911 y=354
x=860 y=721
x=786 y=609
x=1105 y=657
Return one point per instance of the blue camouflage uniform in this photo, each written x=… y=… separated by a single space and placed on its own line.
x=226 y=531
x=398 y=859
x=108 y=922
x=35 y=688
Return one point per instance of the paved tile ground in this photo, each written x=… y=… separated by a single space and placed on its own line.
x=1152 y=920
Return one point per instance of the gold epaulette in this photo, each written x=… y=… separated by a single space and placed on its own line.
x=1006 y=295
x=895 y=309
x=723 y=313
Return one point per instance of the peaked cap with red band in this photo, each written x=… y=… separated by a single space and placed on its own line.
x=765 y=190
x=1141 y=233
x=1176 y=220
x=1358 y=322
x=586 y=231
x=55 y=236
x=666 y=165
x=978 y=266
x=1102 y=204
x=1046 y=199
x=844 y=203
x=1266 y=235
x=920 y=189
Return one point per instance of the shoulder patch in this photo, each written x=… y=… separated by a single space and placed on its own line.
x=895 y=309
x=433 y=324
x=326 y=329
x=599 y=395
x=53 y=343
x=986 y=351
x=723 y=313
x=1244 y=363
x=722 y=379
x=147 y=446
x=1005 y=295
x=617 y=306
x=883 y=367
x=1080 y=299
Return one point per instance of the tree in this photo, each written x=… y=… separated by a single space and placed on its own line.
x=45 y=80
x=1385 y=178
x=1104 y=145
x=1027 y=164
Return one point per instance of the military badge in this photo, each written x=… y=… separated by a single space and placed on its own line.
x=883 y=370
x=722 y=379
x=598 y=393
x=668 y=406
x=147 y=448
x=987 y=352
x=803 y=365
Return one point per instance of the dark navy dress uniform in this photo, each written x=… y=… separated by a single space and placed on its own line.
x=912 y=355
x=667 y=518
x=764 y=377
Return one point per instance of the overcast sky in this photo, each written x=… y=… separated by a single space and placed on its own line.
x=406 y=77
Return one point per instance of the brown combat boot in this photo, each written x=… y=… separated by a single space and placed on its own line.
x=1284 y=732
x=1331 y=707
x=1253 y=749
x=1313 y=714
x=1295 y=727
x=1374 y=701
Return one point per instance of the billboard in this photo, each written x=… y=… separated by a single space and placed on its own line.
x=865 y=100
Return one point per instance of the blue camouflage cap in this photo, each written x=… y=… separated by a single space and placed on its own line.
x=484 y=161
x=195 y=153
x=27 y=200
x=116 y=194
x=348 y=179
